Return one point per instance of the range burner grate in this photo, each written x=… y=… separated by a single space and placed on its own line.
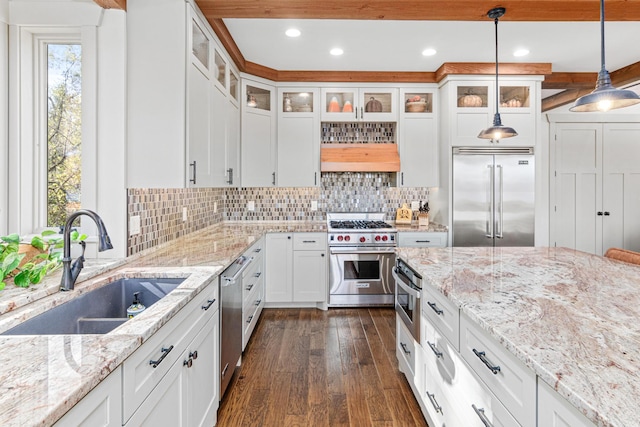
x=359 y=224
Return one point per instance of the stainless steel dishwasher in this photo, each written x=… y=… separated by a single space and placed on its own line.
x=231 y=320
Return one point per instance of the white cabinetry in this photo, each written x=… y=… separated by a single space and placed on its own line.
x=101 y=407
x=468 y=106
x=258 y=133
x=178 y=362
x=296 y=268
x=595 y=174
x=555 y=411
x=253 y=297
x=175 y=99
x=418 y=137
x=298 y=137
x=422 y=239
x=352 y=103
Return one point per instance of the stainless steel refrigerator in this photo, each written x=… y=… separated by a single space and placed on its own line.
x=493 y=196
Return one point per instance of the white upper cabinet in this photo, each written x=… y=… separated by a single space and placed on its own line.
x=258 y=134
x=418 y=137
x=353 y=103
x=298 y=137
x=469 y=104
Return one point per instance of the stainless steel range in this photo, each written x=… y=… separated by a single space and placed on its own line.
x=362 y=248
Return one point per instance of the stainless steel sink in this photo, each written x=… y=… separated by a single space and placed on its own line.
x=98 y=311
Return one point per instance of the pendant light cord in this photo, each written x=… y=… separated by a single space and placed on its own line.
x=497 y=90
x=602 y=34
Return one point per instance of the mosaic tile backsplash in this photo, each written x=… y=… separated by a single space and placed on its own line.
x=160 y=210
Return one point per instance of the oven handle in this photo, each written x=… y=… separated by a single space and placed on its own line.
x=341 y=251
x=407 y=288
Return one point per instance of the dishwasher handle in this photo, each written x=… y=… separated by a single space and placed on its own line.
x=244 y=261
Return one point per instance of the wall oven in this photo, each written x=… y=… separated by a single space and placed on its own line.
x=408 y=287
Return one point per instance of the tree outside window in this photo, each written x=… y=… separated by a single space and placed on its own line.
x=64 y=136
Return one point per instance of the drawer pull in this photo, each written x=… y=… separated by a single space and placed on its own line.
x=308 y=241
x=404 y=348
x=423 y=241
x=249 y=287
x=258 y=302
x=188 y=363
x=258 y=274
x=482 y=416
x=250 y=318
x=435 y=308
x=193 y=355
x=165 y=351
x=435 y=350
x=209 y=304
x=482 y=356
x=434 y=402
x=257 y=250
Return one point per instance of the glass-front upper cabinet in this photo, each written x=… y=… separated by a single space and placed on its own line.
x=349 y=104
x=473 y=96
x=298 y=101
x=234 y=86
x=416 y=102
x=515 y=96
x=220 y=69
x=200 y=45
x=258 y=99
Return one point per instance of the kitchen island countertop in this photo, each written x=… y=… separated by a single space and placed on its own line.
x=570 y=316
x=38 y=384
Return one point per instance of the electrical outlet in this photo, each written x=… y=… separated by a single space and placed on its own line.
x=215 y=207
x=134 y=225
x=184 y=214
x=314 y=205
x=251 y=205
x=415 y=205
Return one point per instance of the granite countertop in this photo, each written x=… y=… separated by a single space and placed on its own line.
x=570 y=316
x=42 y=377
x=432 y=228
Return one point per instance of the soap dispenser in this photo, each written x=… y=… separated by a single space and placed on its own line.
x=136 y=306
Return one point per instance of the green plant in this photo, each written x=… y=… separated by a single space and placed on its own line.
x=26 y=268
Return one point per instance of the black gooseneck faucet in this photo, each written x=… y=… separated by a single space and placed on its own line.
x=70 y=272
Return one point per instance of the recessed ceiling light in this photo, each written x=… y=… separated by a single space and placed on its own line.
x=521 y=52
x=429 y=52
x=336 y=51
x=293 y=32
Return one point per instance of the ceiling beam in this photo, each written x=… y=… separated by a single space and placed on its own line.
x=443 y=10
x=112 y=4
x=563 y=98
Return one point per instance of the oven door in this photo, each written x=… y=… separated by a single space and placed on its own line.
x=407 y=303
x=361 y=276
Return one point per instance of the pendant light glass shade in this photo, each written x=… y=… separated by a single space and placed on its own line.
x=605 y=97
x=497 y=131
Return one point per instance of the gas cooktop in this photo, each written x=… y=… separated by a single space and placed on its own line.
x=358 y=224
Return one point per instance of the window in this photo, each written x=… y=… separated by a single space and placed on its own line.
x=64 y=131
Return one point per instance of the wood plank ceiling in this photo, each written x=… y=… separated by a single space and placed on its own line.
x=573 y=84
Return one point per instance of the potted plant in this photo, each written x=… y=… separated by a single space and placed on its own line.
x=27 y=263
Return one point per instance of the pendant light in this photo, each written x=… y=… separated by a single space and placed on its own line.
x=497 y=131
x=604 y=97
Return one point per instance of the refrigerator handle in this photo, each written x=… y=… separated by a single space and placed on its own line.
x=489 y=232
x=499 y=223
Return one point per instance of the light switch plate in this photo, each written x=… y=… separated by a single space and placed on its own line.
x=415 y=205
x=251 y=205
x=184 y=214
x=215 y=207
x=134 y=225
x=314 y=205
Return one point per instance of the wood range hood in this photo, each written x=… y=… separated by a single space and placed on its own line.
x=361 y=157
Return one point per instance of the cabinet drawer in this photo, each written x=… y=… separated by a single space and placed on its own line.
x=256 y=250
x=511 y=381
x=251 y=313
x=443 y=314
x=555 y=410
x=139 y=375
x=309 y=241
x=422 y=239
x=250 y=280
x=405 y=350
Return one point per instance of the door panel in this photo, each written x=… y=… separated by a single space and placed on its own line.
x=514 y=200
x=472 y=216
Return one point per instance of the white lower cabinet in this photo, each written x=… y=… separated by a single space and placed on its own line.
x=253 y=290
x=171 y=379
x=555 y=411
x=422 y=239
x=102 y=407
x=296 y=268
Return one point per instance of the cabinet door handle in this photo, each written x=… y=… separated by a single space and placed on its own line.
x=193 y=354
x=482 y=356
x=208 y=305
x=165 y=351
x=193 y=165
x=361 y=113
x=230 y=173
x=482 y=416
x=289 y=237
x=273 y=180
x=315 y=178
x=435 y=350
x=607 y=213
x=434 y=402
x=423 y=241
x=188 y=363
x=404 y=348
x=401 y=178
x=308 y=241
x=435 y=308
x=599 y=213
x=321 y=255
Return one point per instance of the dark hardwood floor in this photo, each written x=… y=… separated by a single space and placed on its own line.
x=308 y=367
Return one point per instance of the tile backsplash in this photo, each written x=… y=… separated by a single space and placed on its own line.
x=160 y=210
